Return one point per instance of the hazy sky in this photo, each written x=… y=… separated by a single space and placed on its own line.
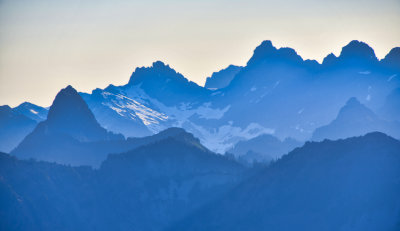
x=48 y=44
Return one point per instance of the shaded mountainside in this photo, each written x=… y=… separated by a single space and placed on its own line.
x=17 y=122
x=71 y=135
x=166 y=85
x=13 y=128
x=222 y=78
x=391 y=107
x=354 y=119
x=146 y=188
x=279 y=90
x=263 y=148
x=350 y=184
x=175 y=183
x=32 y=111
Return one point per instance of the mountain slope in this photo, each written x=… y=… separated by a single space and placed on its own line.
x=391 y=107
x=355 y=119
x=70 y=134
x=161 y=82
x=32 y=111
x=13 y=128
x=277 y=92
x=146 y=188
x=263 y=147
x=222 y=78
x=349 y=184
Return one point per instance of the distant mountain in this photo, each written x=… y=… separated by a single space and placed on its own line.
x=392 y=61
x=71 y=135
x=277 y=93
x=350 y=184
x=280 y=90
x=32 y=111
x=354 y=119
x=68 y=133
x=391 y=107
x=222 y=78
x=16 y=123
x=162 y=83
x=147 y=188
x=138 y=109
x=263 y=148
x=13 y=128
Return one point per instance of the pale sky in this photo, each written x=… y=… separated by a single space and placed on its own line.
x=48 y=44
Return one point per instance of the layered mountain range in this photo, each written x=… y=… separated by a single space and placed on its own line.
x=276 y=93
x=162 y=153
x=175 y=183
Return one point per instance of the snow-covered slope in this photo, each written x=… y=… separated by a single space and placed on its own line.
x=134 y=108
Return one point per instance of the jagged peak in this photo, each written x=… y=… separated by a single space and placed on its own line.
x=358 y=49
x=267 y=51
x=158 y=70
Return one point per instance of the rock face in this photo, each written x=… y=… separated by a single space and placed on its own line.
x=354 y=119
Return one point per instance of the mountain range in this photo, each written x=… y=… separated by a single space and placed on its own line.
x=176 y=183
x=241 y=103
x=350 y=184
x=281 y=143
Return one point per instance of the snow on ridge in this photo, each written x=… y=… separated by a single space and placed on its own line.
x=33 y=111
x=219 y=140
x=391 y=77
x=134 y=104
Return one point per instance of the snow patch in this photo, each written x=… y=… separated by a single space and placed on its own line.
x=33 y=111
x=391 y=77
x=364 y=72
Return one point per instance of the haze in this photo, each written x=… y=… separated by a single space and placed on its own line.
x=46 y=45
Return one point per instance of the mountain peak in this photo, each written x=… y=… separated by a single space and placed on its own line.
x=353 y=108
x=329 y=59
x=222 y=78
x=31 y=111
x=68 y=102
x=69 y=114
x=159 y=65
x=161 y=82
x=353 y=101
x=392 y=59
x=158 y=71
x=266 y=51
x=358 y=50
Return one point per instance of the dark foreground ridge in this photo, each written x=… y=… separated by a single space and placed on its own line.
x=176 y=183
